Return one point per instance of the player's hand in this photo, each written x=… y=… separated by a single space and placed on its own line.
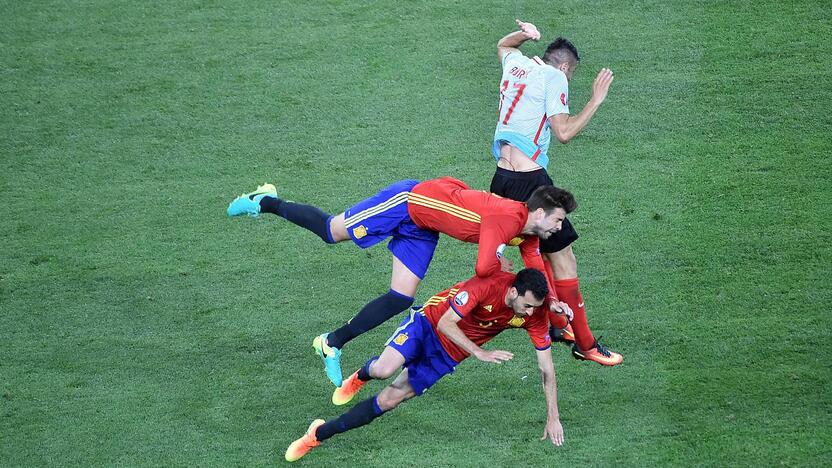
x=506 y=265
x=497 y=355
x=561 y=308
x=554 y=432
x=601 y=85
x=529 y=30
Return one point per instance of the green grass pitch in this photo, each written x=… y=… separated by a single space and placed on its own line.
x=140 y=326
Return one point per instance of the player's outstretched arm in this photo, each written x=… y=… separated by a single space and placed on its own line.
x=565 y=126
x=448 y=326
x=511 y=42
x=553 y=430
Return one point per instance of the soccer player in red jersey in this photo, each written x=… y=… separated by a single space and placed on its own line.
x=412 y=214
x=434 y=339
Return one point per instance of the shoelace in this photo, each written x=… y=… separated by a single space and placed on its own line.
x=354 y=384
x=601 y=348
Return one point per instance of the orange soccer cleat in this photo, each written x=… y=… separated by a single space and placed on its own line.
x=563 y=335
x=598 y=353
x=302 y=446
x=347 y=391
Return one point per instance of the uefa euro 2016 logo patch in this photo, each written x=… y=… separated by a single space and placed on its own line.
x=461 y=299
x=400 y=339
x=359 y=232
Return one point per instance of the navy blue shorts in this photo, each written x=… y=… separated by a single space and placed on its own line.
x=385 y=215
x=424 y=357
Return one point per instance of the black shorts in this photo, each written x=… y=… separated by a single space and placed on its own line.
x=519 y=186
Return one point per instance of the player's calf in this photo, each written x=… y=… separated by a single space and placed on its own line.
x=306 y=216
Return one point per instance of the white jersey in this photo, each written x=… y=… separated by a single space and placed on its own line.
x=530 y=92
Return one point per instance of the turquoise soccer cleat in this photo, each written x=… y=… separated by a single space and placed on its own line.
x=249 y=203
x=331 y=357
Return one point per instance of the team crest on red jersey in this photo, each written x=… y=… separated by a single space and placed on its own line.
x=563 y=98
x=516 y=322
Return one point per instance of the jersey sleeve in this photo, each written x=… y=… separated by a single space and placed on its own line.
x=557 y=93
x=538 y=329
x=494 y=232
x=511 y=57
x=471 y=293
x=530 y=252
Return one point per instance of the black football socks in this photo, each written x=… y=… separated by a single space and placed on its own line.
x=359 y=415
x=378 y=311
x=305 y=216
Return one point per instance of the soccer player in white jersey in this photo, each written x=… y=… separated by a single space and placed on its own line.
x=534 y=103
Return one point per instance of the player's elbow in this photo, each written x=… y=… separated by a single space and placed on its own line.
x=484 y=272
x=563 y=136
x=501 y=51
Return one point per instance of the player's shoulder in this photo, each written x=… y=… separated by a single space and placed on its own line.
x=505 y=208
x=553 y=74
x=515 y=57
x=506 y=205
x=489 y=285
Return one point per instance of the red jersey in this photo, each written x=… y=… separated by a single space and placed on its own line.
x=481 y=304
x=449 y=206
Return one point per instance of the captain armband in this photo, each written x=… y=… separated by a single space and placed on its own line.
x=500 y=250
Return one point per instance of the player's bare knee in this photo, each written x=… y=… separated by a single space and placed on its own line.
x=390 y=398
x=383 y=370
x=394 y=394
x=338 y=228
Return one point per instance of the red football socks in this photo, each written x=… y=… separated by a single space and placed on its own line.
x=569 y=292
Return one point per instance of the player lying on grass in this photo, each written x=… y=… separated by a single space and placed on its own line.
x=534 y=103
x=433 y=340
x=412 y=214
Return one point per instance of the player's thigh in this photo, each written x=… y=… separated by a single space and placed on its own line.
x=395 y=393
x=403 y=281
x=564 y=264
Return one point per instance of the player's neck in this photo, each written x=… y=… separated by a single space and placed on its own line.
x=528 y=228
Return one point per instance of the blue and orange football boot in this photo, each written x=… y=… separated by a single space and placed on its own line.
x=302 y=446
x=345 y=393
x=249 y=203
x=331 y=357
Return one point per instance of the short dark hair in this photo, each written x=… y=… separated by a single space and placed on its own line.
x=550 y=197
x=532 y=280
x=561 y=51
